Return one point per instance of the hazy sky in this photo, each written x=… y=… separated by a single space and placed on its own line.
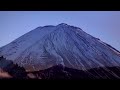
x=101 y=24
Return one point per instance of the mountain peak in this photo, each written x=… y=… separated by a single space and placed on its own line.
x=61 y=44
x=62 y=24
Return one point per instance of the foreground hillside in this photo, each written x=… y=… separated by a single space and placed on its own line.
x=9 y=70
x=60 y=72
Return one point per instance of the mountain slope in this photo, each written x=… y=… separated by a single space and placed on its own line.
x=63 y=44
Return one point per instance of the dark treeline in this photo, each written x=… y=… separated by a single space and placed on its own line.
x=59 y=72
x=13 y=69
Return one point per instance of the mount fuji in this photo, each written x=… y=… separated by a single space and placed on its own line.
x=70 y=46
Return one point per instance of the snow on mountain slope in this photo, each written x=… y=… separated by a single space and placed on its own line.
x=63 y=44
x=15 y=48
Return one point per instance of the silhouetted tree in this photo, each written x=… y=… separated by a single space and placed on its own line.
x=1 y=57
x=13 y=69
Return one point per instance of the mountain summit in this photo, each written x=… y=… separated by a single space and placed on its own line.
x=64 y=44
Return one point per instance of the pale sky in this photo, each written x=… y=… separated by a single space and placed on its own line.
x=100 y=24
